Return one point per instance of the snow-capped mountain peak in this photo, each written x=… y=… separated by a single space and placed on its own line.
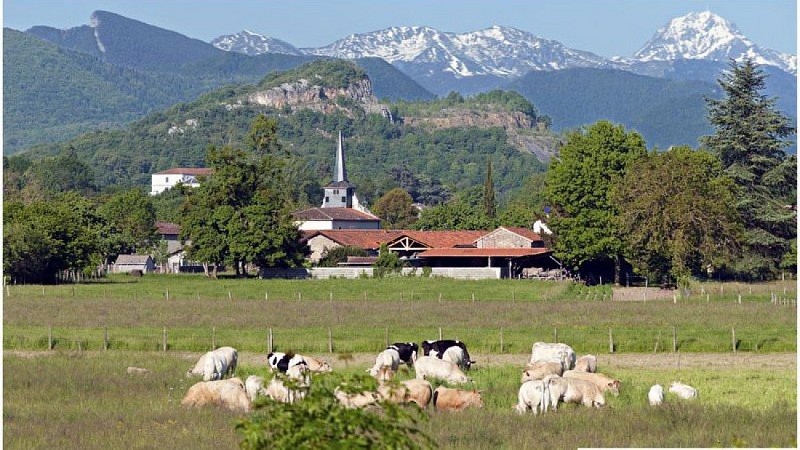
x=705 y=35
x=251 y=43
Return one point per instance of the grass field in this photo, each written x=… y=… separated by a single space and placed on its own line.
x=68 y=398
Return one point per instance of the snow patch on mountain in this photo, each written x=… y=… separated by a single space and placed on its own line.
x=705 y=35
x=252 y=44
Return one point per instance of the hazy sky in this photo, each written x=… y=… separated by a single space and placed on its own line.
x=605 y=27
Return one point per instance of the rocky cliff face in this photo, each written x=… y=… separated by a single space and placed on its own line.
x=304 y=94
x=520 y=128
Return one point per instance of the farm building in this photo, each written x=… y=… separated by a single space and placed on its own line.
x=129 y=263
x=161 y=181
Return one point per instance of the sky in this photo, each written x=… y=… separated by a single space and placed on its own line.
x=605 y=27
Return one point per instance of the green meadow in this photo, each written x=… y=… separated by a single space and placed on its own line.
x=78 y=395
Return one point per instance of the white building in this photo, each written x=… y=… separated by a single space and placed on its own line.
x=162 y=181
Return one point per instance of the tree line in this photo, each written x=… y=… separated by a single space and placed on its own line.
x=727 y=209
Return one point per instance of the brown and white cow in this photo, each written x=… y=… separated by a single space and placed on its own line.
x=447 y=399
x=408 y=391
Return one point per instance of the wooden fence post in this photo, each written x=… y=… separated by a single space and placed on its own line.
x=105 y=337
x=387 y=336
x=330 y=341
x=440 y=297
x=555 y=334
x=501 y=340
x=164 y=339
x=610 y=342
x=213 y=338
x=270 y=347
x=674 y=340
x=49 y=336
x=733 y=339
x=440 y=333
x=167 y=294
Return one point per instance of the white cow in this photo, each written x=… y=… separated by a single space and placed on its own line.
x=533 y=395
x=229 y=394
x=586 y=363
x=432 y=367
x=456 y=356
x=254 y=386
x=573 y=390
x=539 y=370
x=656 y=395
x=356 y=400
x=278 y=390
x=388 y=358
x=683 y=391
x=603 y=382
x=316 y=365
x=560 y=353
x=216 y=364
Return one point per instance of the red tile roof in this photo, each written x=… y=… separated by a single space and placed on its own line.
x=333 y=214
x=444 y=238
x=367 y=239
x=481 y=252
x=525 y=232
x=186 y=171
x=168 y=228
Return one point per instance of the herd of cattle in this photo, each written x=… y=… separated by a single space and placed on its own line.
x=552 y=375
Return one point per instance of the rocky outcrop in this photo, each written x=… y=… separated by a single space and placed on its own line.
x=304 y=94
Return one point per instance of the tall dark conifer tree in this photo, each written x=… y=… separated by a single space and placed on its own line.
x=750 y=139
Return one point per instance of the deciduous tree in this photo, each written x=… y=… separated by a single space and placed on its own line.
x=578 y=184
x=676 y=214
x=396 y=209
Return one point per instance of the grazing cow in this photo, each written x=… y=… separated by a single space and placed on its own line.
x=683 y=391
x=216 y=364
x=254 y=385
x=539 y=370
x=355 y=400
x=384 y=374
x=277 y=390
x=446 y=399
x=533 y=395
x=407 y=350
x=604 y=383
x=439 y=348
x=656 y=395
x=560 y=353
x=573 y=390
x=283 y=361
x=229 y=394
x=388 y=358
x=316 y=365
x=432 y=367
x=408 y=391
x=586 y=363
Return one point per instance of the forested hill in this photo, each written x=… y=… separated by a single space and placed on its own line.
x=314 y=102
x=58 y=87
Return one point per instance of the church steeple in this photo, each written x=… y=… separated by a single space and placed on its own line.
x=339 y=193
x=341 y=171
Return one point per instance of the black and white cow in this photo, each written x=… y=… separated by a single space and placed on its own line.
x=283 y=361
x=452 y=350
x=407 y=350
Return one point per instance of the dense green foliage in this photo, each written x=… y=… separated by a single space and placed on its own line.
x=332 y=256
x=382 y=154
x=387 y=263
x=320 y=421
x=396 y=209
x=578 y=186
x=45 y=237
x=750 y=138
x=676 y=214
x=241 y=213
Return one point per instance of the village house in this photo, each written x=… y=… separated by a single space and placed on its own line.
x=161 y=181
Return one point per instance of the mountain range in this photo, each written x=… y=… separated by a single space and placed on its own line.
x=677 y=67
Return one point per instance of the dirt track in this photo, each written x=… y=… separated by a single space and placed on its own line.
x=719 y=361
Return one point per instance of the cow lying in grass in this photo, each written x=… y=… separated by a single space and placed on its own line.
x=229 y=394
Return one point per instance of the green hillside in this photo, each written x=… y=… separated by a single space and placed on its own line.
x=380 y=152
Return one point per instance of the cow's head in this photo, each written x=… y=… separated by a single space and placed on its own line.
x=614 y=387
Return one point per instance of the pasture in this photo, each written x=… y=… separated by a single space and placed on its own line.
x=735 y=342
